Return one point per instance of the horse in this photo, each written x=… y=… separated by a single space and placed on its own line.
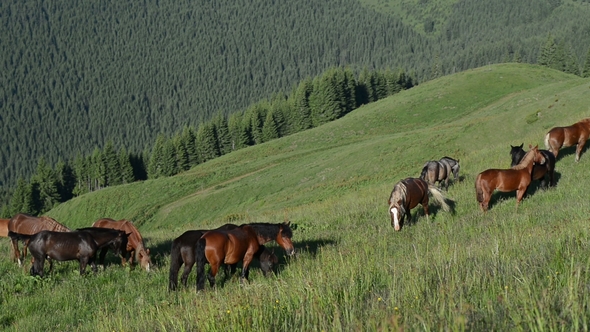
x=114 y=239
x=576 y=134
x=135 y=246
x=407 y=194
x=539 y=171
x=440 y=171
x=29 y=225
x=229 y=247
x=184 y=248
x=61 y=246
x=4 y=227
x=516 y=178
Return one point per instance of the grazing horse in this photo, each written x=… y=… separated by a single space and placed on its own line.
x=135 y=246
x=114 y=239
x=407 y=194
x=29 y=225
x=184 y=247
x=440 y=171
x=4 y=227
x=539 y=171
x=225 y=247
x=516 y=178
x=61 y=246
x=576 y=134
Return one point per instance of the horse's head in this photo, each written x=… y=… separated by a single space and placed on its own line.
x=284 y=236
x=143 y=257
x=119 y=244
x=396 y=202
x=517 y=153
x=539 y=157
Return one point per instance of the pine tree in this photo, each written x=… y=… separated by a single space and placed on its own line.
x=325 y=99
x=157 y=158
x=238 y=132
x=255 y=116
x=547 y=56
x=44 y=186
x=66 y=180
x=300 y=118
x=182 y=157
x=207 y=142
x=127 y=175
x=98 y=169
x=169 y=160
x=269 y=129
x=189 y=140
x=222 y=134
x=22 y=199
x=113 y=168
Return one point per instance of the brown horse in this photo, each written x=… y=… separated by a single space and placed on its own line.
x=516 y=178
x=407 y=194
x=135 y=246
x=225 y=247
x=4 y=227
x=576 y=134
x=29 y=225
x=184 y=248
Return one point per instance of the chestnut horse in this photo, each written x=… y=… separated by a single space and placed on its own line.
x=576 y=134
x=218 y=247
x=440 y=171
x=184 y=247
x=407 y=194
x=539 y=171
x=4 y=227
x=29 y=225
x=135 y=246
x=516 y=178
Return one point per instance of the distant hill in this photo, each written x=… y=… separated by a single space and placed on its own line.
x=75 y=75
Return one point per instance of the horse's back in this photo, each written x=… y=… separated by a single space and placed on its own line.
x=416 y=191
x=4 y=227
x=26 y=224
x=133 y=241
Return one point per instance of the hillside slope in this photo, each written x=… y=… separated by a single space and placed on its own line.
x=468 y=115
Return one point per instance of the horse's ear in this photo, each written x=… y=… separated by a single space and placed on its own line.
x=521 y=145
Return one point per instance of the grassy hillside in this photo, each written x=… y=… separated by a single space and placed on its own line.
x=506 y=269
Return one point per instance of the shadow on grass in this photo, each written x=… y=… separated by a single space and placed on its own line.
x=571 y=151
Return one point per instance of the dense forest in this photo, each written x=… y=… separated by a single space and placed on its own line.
x=84 y=79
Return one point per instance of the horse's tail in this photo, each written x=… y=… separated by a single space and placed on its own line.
x=201 y=261
x=424 y=172
x=478 y=190
x=19 y=237
x=547 y=146
x=175 y=262
x=439 y=197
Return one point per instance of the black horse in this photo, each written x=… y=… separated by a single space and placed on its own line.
x=539 y=171
x=61 y=246
x=113 y=239
x=183 y=249
x=441 y=170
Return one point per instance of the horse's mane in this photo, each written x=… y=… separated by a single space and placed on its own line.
x=526 y=160
x=398 y=193
x=54 y=225
x=269 y=230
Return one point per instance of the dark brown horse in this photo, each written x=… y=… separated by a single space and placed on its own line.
x=114 y=239
x=407 y=194
x=539 y=171
x=135 y=246
x=225 y=247
x=576 y=134
x=29 y=225
x=184 y=247
x=440 y=171
x=516 y=178
x=4 y=227
x=61 y=246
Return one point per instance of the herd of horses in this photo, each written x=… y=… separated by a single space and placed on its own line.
x=227 y=245
x=230 y=244
x=526 y=166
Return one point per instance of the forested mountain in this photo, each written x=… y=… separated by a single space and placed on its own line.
x=75 y=75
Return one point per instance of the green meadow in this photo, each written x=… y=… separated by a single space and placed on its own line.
x=507 y=269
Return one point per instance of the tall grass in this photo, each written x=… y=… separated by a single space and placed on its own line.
x=507 y=269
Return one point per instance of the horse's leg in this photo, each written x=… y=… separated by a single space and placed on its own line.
x=246 y=266
x=15 y=251
x=92 y=261
x=580 y=146
x=213 y=273
x=101 y=257
x=188 y=266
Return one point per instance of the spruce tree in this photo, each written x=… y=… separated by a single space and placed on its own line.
x=586 y=69
x=44 y=186
x=156 y=158
x=238 y=131
x=98 y=169
x=182 y=157
x=189 y=140
x=169 y=159
x=82 y=176
x=207 y=142
x=113 y=168
x=222 y=134
x=269 y=129
x=22 y=199
x=66 y=180
x=300 y=118
x=548 y=50
x=127 y=175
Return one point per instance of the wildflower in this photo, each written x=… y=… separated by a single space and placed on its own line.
x=228 y=311
x=379 y=299
x=396 y=308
